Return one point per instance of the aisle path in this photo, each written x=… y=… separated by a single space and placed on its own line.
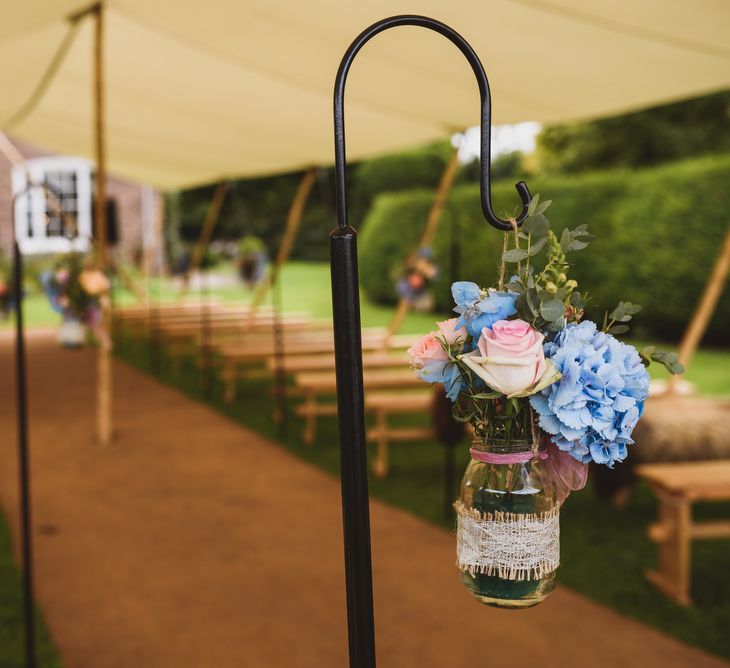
x=194 y=543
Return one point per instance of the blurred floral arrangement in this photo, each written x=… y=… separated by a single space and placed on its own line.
x=252 y=260
x=524 y=345
x=76 y=289
x=414 y=278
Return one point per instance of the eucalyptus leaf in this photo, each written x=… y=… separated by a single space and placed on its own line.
x=618 y=329
x=514 y=255
x=576 y=300
x=565 y=240
x=536 y=225
x=537 y=246
x=618 y=312
x=532 y=207
x=552 y=309
x=576 y=245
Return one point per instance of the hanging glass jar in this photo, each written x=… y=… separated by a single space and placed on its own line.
x=508 y=536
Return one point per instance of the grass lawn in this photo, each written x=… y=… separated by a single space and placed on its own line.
x=604 y=550
x=11 y=620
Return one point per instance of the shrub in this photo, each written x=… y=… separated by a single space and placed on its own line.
x=659 y=233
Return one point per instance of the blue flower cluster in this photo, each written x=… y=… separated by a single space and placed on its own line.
x=477 y=311
x=592 y=410
x=446 y=373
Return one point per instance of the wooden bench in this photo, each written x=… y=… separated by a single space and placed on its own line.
x=237 y=361
x=677 y=486
x=383 y=405
x=200 y=337
x=314 y=385
x=299 y=364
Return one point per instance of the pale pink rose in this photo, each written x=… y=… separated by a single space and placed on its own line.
x=93 y=282
x=509 y=357
x=427 y=349
x=61 y=276
x=449 y=333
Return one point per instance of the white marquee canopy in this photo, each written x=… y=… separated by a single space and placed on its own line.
x=197 y=92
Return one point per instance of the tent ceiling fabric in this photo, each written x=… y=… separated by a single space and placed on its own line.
x=203 y=91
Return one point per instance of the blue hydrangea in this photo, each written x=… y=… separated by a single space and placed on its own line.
x=593 y=409
x=445 y=372
x=477 y=311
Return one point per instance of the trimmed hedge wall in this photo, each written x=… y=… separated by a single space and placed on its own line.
x=659 y=231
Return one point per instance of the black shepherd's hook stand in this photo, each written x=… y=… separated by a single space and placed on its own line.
x=26 y=535
x=348 y=345
x=21 y=401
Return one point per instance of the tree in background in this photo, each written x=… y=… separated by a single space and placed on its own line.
x=670 y=132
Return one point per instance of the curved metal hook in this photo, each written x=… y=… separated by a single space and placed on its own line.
x=486 y=123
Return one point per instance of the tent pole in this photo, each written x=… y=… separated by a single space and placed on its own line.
x=206 y=232
x=434 y=216
x=703 y=314
x=104 y=361
x=293 y=219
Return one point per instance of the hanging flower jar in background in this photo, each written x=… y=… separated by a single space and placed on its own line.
x=414 y=279
x=544 y=394
x=77 y=290
x=252 y=260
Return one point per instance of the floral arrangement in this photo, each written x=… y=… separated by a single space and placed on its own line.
x=252 y=260
x=521 y=362
x=77 y=289
x=414 y=279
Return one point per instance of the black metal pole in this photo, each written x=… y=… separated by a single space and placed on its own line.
x=348 y=346
x=205 y=334
x=154 y=340
x=282 y=412
x=26 y=537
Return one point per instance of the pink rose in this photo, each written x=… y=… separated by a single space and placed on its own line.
x=448 y=332
x=509 y=357
x=427 y=349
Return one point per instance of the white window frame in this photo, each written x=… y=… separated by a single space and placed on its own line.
x=39 y=242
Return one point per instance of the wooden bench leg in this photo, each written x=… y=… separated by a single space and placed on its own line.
x=673 y=533
x=381 y=463
x=309 y=433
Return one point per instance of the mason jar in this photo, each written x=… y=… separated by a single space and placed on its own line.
x=508 y=535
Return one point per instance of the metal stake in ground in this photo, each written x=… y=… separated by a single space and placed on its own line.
x=23 y=460
x=348 y=345
x=21 y=399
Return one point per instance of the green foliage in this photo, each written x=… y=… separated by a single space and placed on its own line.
x=661 y=134
x=505 y=166
x=420 y=168
x=12 y=654
x=659 y=233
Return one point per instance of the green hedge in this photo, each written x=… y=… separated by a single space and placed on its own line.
x=659 y=233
